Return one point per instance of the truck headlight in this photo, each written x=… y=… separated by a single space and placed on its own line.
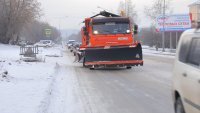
x=128 y=31
x=96 y=32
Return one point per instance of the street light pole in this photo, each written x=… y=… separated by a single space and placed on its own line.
x=125 y=8
x=163 y=33
x=59 y=24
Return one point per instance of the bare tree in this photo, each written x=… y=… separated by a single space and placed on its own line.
x=131 y=12
x=128 y=9
x=14 y=15
x=152 y=12
x=121 y=8
x=35 y=31
x=156 y=9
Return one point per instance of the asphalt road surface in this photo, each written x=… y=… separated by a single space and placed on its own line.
x=144 y=89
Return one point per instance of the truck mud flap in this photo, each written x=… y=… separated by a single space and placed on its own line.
x=114 y=54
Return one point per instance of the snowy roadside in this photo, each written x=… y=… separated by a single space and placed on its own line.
x=152 y=51
x=25 y=85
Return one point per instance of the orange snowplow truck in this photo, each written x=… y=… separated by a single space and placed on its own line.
x=108 y=42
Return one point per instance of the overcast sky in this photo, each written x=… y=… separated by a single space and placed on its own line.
x=70 y=13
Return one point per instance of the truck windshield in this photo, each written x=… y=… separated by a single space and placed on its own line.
x=111 y=28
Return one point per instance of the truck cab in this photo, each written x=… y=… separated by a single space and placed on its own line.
x=108 y=32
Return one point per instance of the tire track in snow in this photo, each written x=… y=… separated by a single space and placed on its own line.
x=64 y=94
x=46 y=101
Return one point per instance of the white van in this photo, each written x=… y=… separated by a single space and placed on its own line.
x=186 y=75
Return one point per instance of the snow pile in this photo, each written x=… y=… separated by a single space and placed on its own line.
x=4 y=76
x=152 y=51
x=4 y=73
x=24 y=85
x=52 y=52
x=8 y=52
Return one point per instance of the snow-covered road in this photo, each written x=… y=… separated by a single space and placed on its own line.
x=67 y=87
x=140 y=90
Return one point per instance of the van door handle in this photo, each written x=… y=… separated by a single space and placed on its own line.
x=184 y=75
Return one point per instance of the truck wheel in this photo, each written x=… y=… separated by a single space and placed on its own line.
x=92 y=68
x=84 y=63
x=179 y=106
x=129 y=67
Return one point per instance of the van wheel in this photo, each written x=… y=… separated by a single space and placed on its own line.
x=179 y=106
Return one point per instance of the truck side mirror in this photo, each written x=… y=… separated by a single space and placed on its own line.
x=135 y=29
x=85 y=33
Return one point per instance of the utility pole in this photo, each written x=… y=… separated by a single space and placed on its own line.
x=176 y=39
x=163 y=33
x=171 y=46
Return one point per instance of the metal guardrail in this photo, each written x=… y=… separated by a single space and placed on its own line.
x=29 y=51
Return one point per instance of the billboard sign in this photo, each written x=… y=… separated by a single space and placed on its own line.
x=178 y=22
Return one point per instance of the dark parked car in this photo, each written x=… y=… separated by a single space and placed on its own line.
x=75 y=47
x=69 y=43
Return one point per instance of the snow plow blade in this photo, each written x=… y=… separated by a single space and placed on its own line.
x=114 y=56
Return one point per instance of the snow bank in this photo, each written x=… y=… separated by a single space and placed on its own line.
x=24 y=86
x=170 y=53
x=8 y=52
x=52 y=52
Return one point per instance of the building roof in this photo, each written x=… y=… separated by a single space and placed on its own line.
x=195 y=3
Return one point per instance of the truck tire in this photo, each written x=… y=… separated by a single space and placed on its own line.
x=179 y=108
x=84 y=63
x=92 y=68
x=129 y=67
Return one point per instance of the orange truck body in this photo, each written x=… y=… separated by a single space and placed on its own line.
x=109 y=49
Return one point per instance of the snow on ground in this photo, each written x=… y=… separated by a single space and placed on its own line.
x=170 y=53
x=43 y=87
x=9 y=52
x=25 y=86
x=39 y=87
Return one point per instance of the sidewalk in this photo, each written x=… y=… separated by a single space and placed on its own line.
x=152 y=51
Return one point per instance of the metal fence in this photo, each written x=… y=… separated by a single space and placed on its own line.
x=29 y=51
